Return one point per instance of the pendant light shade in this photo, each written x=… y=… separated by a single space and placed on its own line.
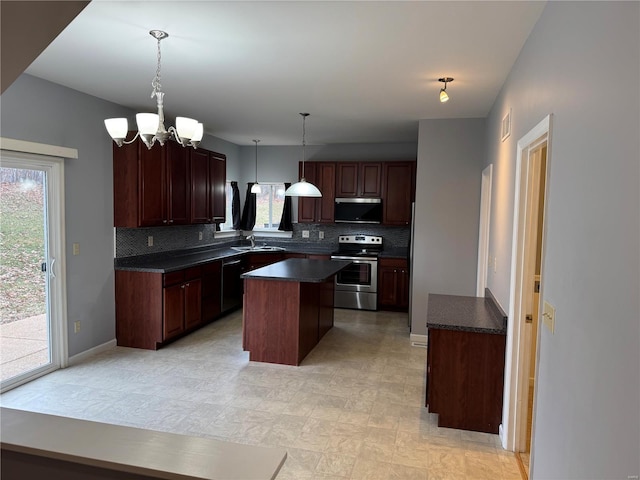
x=444 y=96
x=255 y=188
x=303 y=188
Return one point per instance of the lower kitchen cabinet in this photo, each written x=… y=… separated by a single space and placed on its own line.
x=154 y=308
x=393 y=284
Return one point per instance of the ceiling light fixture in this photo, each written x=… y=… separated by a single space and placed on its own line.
x=303 y=188
x=255 y=188
x=444 y=96
x=187 y=132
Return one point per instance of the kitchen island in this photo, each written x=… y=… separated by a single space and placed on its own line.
x=466 y=339
x=288 y=308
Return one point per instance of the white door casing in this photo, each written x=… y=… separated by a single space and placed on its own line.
x=484 y=230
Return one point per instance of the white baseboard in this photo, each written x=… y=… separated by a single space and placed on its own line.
x=82 y=356
x=503 y=439
x=418 y=340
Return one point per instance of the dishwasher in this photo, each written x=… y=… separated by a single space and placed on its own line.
x=231 y=283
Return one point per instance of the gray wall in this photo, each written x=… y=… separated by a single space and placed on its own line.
x=587 y=407
x=40 y=111
x=445 y=252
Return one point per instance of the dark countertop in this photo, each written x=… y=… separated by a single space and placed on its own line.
x=298 y=270
x=166 y=262
x=472 y=314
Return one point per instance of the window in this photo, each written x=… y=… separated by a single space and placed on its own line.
x=269 y=206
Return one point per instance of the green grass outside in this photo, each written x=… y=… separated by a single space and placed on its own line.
x=22 y=284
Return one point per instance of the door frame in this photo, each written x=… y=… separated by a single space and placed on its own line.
x=21 y=154
x=484 y=229
x=517 y=356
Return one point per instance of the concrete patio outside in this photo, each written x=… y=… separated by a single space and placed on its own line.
x=23 y=346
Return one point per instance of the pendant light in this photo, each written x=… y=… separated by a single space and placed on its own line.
x=444 y=96
x=256 y=187
x=303 y=188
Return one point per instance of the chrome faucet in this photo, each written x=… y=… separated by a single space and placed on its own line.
x=252 y=238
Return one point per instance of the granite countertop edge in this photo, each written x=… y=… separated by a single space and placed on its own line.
x=468 y=314
x=298 y=270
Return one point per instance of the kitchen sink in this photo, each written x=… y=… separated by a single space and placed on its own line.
x=258 y=248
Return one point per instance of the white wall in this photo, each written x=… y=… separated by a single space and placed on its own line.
x=580 y=63
x=448 y=180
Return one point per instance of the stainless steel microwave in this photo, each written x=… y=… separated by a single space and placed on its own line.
x=358 y=210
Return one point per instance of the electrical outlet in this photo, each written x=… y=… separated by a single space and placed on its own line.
x=305 y=233
x=149 y=241
x=76 y=249
x=321 y=235
x=76 y=327
x=199 y=235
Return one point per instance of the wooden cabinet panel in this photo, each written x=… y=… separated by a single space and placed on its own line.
x=358 y=179
x=192 y=303
x=398 y=192
x=178 y=184
x=370 y=179
x=307 y=205
x=218 y=184
x=173 y=315
x=393 y=284
x=326 y=178
x=465 y=373
x=200 y=186
x=346 y=179
x=152 y=203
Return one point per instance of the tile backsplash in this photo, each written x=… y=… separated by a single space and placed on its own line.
x=135 y=241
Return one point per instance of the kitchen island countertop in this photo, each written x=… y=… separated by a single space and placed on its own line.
x=298 y=270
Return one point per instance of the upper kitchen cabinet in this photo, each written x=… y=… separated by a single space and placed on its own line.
x=323 y=176
x=208 y=178
x=150 y=186
x=218 y=183
x=161 y=186
x=358 y=179
x=398 y=192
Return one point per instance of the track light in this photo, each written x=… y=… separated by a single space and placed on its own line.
x=444 y=96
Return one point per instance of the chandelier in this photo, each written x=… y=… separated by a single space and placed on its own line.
x=187 y=132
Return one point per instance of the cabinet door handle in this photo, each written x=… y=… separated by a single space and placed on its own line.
x=188 y=284
x=170 y=221
x=164 y=221
x=182 y=286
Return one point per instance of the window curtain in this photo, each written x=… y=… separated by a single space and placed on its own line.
x=235 y=205
x=285 y=220
x=249 y=212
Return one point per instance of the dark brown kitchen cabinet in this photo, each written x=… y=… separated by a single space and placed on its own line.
x=257 y=260
x=464 y=379
x=314 y=209
x=393 y=284
x=150 y=187
x=211 y=290
x=167 y=185
x=218 y=185
x=153 y=308
x=358 y=179
x=398 y=192
x=200 y=186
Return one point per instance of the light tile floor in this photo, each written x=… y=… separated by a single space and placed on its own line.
x=353 y=410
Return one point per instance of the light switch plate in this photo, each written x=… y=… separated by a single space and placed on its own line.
x=150 y=241
x=549 y=316
x=76 y=249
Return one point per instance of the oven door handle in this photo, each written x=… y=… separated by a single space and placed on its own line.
x=354 y=260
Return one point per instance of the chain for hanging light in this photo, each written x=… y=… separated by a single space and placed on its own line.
x=187 y=132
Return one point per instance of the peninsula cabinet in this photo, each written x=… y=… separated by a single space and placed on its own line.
x=153 y=308
x=398 y=192
x=358 y=179
x=161 y=187
x=393 y=284
x=323 y=176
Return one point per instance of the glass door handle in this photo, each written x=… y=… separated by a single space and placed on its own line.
x=51 y=271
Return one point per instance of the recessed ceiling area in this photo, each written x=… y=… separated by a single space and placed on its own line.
x=366 y=71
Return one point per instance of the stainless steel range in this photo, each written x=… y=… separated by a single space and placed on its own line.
x=357 y=285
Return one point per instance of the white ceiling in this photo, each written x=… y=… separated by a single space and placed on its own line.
x=366 y=71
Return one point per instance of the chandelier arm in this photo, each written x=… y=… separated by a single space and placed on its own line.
x=172 y=131
x=124 y=142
